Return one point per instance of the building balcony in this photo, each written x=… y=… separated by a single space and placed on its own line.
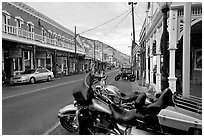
x=19 y=32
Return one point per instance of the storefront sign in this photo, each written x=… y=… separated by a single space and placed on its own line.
x=41 y=55
x=15 y=53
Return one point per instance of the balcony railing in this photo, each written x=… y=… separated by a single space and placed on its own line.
x=13 y=30
x=194 y=11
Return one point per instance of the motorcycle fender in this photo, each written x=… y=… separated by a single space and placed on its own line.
x=63 y=111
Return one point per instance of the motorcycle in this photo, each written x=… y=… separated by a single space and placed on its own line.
x=67 y=113
x=97 y=114
x=113 y=93
x=125 y=76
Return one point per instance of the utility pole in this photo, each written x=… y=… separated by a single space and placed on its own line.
x=94 y=53
x=133 y=31
x=133 y=24
x=75 y=49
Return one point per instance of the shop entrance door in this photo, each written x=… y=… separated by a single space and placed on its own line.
x=8 y=66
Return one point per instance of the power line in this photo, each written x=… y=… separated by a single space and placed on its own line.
x=116 y=25
x=104 y=23
x=138 y=16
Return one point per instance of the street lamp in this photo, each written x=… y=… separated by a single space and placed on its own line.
x=164 y=6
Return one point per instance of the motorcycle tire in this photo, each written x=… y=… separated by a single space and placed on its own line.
x=117 y=78
x=69 y=122
x=132 y=79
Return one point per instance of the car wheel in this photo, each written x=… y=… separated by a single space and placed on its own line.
x=32 y=80
x=49 y=78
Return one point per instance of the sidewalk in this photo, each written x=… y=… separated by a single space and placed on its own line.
x=195 y=89
x=138 y=86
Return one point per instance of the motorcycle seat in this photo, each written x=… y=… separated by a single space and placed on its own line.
x=148 y=113
x=129 y=98
x=154 y=108
x=123 y=116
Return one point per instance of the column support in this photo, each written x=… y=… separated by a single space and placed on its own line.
x=172 y=48
x=147 y=63
x=158 y=53
x=186 y=49
x=151 y=60
x=34 y=57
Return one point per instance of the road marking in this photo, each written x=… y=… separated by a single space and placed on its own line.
x=40 y=89
x=52 y=128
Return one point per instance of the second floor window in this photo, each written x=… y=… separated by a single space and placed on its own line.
x=43 y=32
x=30 y=26
x=49 y=34
x=5 y=17
x=19 y=22
x=5 y=20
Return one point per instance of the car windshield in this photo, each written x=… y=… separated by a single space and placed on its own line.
x=30 y=71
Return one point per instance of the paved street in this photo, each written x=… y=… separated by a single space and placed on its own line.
x=32 y=109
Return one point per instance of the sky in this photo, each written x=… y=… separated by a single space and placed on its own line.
x=117 y=33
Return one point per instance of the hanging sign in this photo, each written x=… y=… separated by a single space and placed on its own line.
x=15 y=53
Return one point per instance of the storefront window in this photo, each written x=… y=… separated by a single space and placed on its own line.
x=27 y=60
x=198 y=59
x=48 y=64
x=17 y=64
x=61 y=62
x=41 y=63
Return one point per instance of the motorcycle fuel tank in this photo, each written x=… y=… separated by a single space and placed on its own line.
x=62 y=112
x=100 y=106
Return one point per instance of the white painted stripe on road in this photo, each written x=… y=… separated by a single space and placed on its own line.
x=41 y=89
x=52 y=128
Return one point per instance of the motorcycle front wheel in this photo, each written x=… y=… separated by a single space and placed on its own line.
x=117 y=78
x=132 y=79
x=69 y=122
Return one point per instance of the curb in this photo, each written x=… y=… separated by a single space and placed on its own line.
x=135 y=86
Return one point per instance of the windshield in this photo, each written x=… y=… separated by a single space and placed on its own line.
x=30 y=71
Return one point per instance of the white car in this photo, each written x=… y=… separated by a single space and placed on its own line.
x=33 y=75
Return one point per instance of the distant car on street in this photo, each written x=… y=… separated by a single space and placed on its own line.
x=126 y=73
x=109 y=67
x=33 y=75
x=3 y=76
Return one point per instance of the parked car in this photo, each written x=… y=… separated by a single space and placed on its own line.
x=33 y=75
x=3 y=76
